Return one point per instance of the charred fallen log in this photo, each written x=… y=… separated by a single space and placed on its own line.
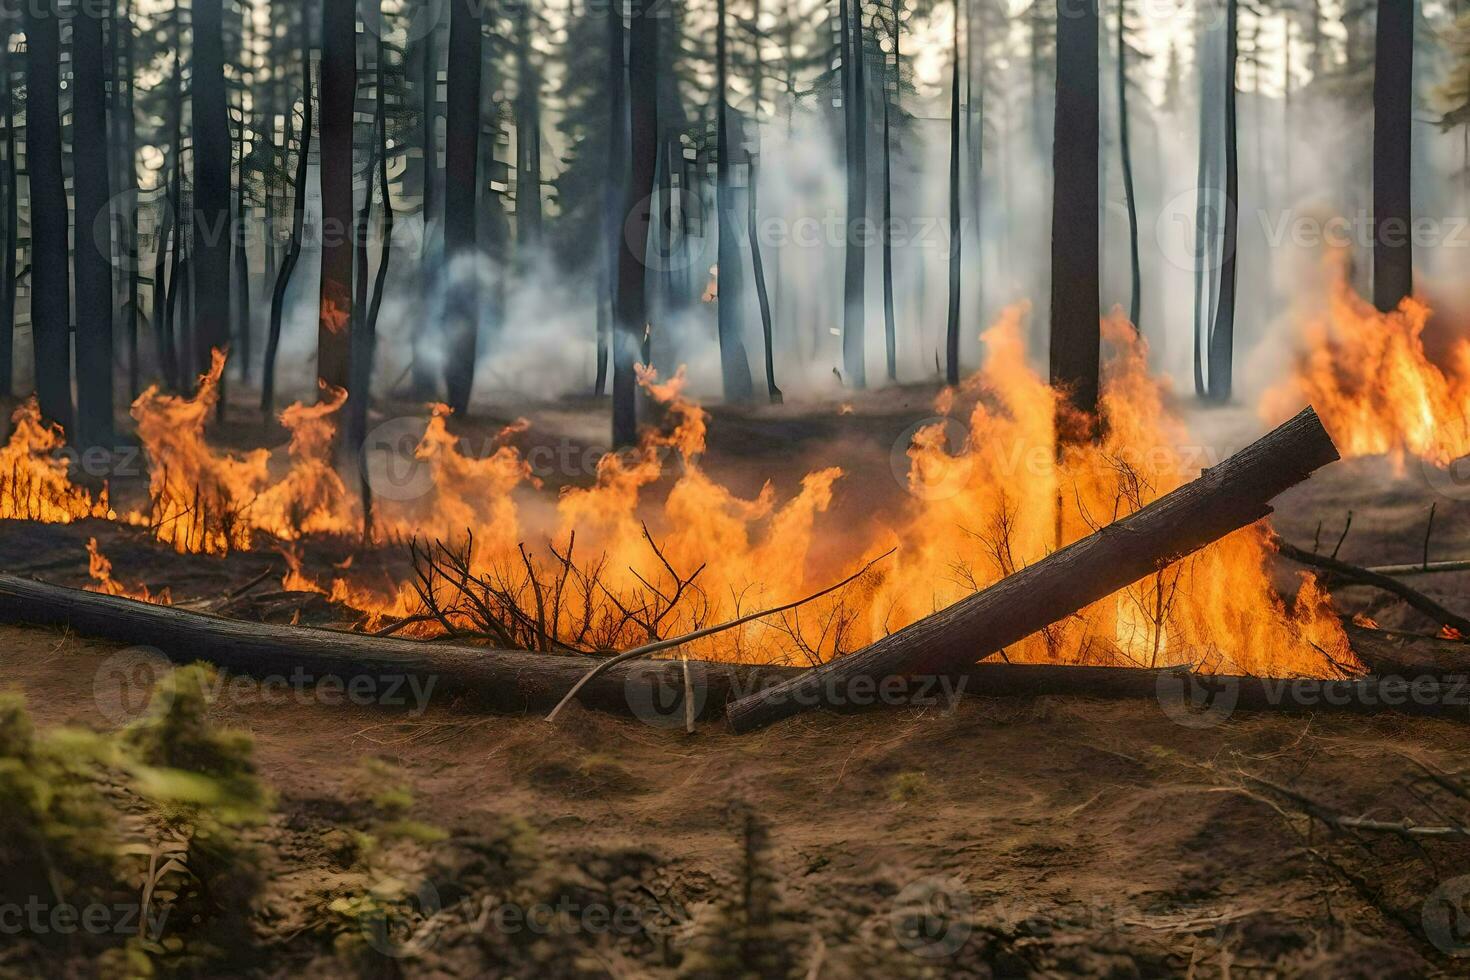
x=1421 y=676
x=1225 y=498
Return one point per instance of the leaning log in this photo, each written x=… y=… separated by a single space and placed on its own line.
x=1223 y=499
x=1420 y=676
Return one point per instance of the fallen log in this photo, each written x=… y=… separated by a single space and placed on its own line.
x=1223 y=499
x=1364 y=576
x=1426 y=679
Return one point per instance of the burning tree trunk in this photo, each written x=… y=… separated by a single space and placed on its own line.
x=1225 y=498
x=631 y=301
x=1076 y=306
x=1393 y=95
x=339 y=92
x=461 y=197
x=50 y=290
x=92 y=249
x=298 y=220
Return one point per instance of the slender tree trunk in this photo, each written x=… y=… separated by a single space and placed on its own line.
x=1076 y=309
x=613 y=188
x=854 y=311
x=956 y=231
x=1393 y=106
x=528 y=137
x=241 y=255
x=298 y=221
x=424 y=382
x=890 y=318
x=752 y=224
x=129 y=156
x=338 y=95
x=1222 y=331
x=50 y=292
x=210 y=254
x=734 y=362
x=12 y=222
x=1136 y=288
x=461 y=200
x=632 y=306
x=92 y=183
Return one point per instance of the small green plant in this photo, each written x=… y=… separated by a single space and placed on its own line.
x=909 y=787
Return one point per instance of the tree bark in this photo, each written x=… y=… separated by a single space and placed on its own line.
x=1225 y=498
x=632 y=301
x=1222 y=329
x=92 y=253
x=1125 y=149
x=461 y=193
x=1393 y=106
x=1076 y=306
x=210 y=254
x=50 y=289
x=338 y=94
x=298 y=221
x=424 y=381
x=12 y=223
x=890 y=317
x=528 y=137
x=734 y=362
x=854 y=282
x=956 y=231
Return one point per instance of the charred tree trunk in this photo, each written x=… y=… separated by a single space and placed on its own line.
x=528 y=138
x=734 y=362
x=298 y=220
x=12 y=222
x=613 y=187
x=1135 y=294
x=1076 y=307
x=339 y=92
x=632 y=302
x=762 y=295
x=890 y=317
x=50 y=289
x=128 y=156
x=461 y=197
x=1222 y=330
x=854 y=281
x=241 y=256
x=213 y=150
x=1393 y=106
x=956 y=236
x=92 y=255
x=1227 y=497
x=424 y=382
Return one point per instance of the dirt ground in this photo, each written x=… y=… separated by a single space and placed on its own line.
x=1007 y=838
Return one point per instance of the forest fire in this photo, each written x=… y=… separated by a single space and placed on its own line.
x=614 y=568
x=1375 y=386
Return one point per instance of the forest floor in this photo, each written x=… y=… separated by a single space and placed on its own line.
x=1047 y=836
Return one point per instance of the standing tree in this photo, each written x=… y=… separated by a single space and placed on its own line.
x=956 y=240
x=50 y=291
x=632 y=304
x=213 y=150
x=339 y=92
x=734 y=362
x=1076 y=307
x=1393 y=104
x=461 y=185
x=93 y=231
x=1218 y=228
x=12 y=217
x=892 y=88
x=528 y=132
x=1125 y=150
x=855 y=117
